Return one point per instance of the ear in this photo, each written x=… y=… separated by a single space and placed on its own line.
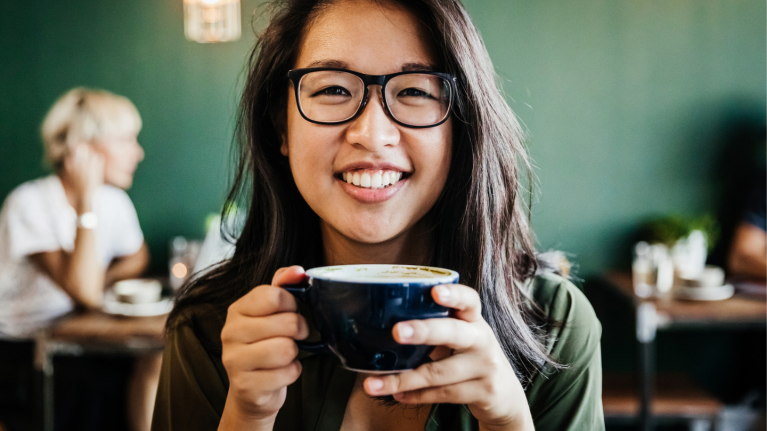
x=284 y=145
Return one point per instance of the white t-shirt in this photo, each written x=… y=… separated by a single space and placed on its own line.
x=37 y=217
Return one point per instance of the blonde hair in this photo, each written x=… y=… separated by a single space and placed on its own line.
x=83 y=114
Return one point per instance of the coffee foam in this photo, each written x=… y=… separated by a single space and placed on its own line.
x=382 y=273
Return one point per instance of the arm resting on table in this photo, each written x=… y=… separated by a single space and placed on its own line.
x=126 y=267
x=80 y=274
x=748 y=255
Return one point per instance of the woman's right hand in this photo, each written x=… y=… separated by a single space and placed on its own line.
x=84 y=171
x=259 y=352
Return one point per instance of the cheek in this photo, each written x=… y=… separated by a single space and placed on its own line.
x=431 y=154
x=311 y=149
x=112 y=158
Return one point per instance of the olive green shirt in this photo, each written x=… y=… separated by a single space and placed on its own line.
x=194 y=383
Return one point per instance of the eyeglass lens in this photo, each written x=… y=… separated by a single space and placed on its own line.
x=414 y=99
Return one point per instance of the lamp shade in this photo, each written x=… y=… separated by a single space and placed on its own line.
x=208 y=21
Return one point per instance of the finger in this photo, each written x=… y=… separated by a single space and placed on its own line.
x=264 y=300
x=463 y=299
x=461 y=393
x=453 y=333
x=270 y=380
x=269 y=354
x=248 y=330
x=290 y=275
x=96 y=167
x=456 y=369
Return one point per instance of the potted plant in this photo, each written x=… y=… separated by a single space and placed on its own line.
x=688 y=239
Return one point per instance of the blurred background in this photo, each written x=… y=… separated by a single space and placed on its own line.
x=633 y=109
x=625 y=103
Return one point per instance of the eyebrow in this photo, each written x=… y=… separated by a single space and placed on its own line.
x=417 y=67
x=338 y=64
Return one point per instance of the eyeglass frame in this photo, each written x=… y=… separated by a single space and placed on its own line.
x=295 y=76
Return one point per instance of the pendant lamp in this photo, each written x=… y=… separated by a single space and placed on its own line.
x=208 y=21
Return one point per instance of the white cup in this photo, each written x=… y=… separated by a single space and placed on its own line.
x=137 y=291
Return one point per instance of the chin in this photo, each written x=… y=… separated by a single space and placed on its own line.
x=121 y=183
x=365 y=235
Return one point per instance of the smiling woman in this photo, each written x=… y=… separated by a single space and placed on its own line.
x=373 y=132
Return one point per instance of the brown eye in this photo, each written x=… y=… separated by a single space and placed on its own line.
x=414 y=92
x=332 y=91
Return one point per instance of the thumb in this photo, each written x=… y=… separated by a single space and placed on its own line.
x=290 y=275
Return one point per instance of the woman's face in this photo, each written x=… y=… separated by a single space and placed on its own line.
x=375 y=40
x=121 y=153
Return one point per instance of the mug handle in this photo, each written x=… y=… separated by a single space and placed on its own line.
x=301 y=292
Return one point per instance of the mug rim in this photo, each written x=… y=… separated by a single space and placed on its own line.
x=449 y=278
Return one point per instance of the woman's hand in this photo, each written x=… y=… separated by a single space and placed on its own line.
x=84 y=173
x=259 y=352
x=471 y=367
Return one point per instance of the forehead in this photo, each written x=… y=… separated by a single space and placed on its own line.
x=368 y=37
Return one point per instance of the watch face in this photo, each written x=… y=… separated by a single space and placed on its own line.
x=88 y=220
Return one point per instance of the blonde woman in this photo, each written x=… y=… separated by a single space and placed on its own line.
x=63 y=238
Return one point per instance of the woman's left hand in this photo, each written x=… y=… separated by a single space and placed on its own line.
x=471 y=368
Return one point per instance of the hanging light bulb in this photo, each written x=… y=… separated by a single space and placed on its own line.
x=207 y=21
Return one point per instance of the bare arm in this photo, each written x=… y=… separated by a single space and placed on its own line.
x=79 y=273
x=131 y=266
x=748 y=255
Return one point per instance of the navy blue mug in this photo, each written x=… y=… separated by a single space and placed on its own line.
x=355 y=307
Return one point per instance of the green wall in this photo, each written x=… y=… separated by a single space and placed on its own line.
x=622 y=101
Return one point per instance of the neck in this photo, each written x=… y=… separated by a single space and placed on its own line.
x=412 y=247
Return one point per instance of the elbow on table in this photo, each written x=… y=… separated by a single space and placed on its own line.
x=90 y=299
x=91 y=303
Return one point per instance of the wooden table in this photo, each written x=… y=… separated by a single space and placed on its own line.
x=667 y=313
x=93 y=332
x=670 y=312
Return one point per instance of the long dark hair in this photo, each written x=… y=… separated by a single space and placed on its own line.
x=480 y=223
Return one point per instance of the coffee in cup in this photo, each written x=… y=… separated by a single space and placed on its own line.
x=355 y=307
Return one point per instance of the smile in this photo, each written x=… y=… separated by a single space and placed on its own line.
x=367 y=179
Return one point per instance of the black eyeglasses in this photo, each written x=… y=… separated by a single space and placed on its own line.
x=335 y=96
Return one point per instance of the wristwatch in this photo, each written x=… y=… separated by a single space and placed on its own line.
x=87 y=220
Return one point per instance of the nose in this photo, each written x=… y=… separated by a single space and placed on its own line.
x=139 y=152
x=373 y=129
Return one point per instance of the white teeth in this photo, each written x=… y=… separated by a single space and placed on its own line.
x=375 y=181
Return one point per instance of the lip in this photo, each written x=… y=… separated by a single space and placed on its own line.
x=372 y=166
x=371 y=196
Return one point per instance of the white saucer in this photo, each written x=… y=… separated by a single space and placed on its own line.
x=113 y=306
x=717 y=293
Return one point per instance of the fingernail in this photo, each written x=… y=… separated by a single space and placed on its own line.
x=443 y=292
x=405 y=331
x=375 y=385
